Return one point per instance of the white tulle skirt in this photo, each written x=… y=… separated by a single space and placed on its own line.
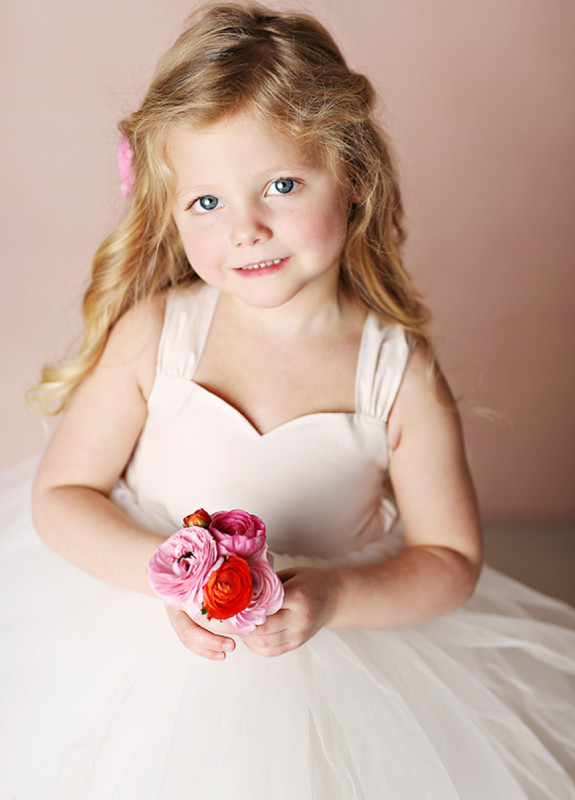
x=99 y=699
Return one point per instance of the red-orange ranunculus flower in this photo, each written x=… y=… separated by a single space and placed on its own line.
x=199 y=519
x=228 y=589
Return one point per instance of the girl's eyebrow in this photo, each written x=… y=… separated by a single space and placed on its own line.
x=283 y=165
x=195 y=190
x=284 y=168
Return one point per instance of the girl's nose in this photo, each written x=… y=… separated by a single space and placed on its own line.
x=249 y=228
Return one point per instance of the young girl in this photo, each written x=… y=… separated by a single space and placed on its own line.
x=253 y=341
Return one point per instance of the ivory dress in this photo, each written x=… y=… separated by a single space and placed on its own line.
x=100 y=701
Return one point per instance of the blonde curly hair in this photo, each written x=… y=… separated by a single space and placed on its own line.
x=286 y=68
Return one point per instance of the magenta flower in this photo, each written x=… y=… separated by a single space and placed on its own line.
x=181 y=566
x=199 y=566
x=125 y=159
x=239 y=534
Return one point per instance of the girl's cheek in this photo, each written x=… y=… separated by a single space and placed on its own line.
x=323 y=230
x=201 y=251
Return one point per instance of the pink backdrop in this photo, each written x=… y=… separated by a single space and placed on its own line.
x=479 y=98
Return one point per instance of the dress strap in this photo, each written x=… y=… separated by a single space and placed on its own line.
x=187 y=320
x=384 y=353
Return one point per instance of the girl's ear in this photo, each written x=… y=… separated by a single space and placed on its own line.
x=354 y=194
x=354 y=200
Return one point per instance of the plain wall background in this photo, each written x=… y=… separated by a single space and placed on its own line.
x=479 y=100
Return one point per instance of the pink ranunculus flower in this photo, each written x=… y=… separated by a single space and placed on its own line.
x=239 y=534
x=181 y=566
x=267 y=599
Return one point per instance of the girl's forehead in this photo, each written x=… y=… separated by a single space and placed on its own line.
x=241 y=138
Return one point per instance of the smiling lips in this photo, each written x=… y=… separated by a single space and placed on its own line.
x=261 y=267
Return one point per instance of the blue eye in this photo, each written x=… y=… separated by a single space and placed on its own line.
x=282 y=186
x=206 y=203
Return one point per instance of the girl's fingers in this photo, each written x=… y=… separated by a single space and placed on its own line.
x=275 y=636
x=277 y=622
x=258 y=639
x=285 y=574
x=198 y=639
x=269 y=648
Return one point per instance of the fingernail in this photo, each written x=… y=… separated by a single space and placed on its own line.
x=219 y=656
x=228 y=646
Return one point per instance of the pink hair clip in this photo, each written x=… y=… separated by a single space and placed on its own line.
x=125 y=157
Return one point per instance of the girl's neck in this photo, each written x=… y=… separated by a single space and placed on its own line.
x=274 y=365
x=312 y=313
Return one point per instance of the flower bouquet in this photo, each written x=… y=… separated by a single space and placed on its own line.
x=218 y=566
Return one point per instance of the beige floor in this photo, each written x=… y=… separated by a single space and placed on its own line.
x=541 y=556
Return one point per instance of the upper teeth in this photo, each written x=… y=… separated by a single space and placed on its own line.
x=263 y=264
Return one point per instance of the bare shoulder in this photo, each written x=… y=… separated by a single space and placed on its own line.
x=424 y=397
x=134 y=340
x=428 y=468
x=107 y=411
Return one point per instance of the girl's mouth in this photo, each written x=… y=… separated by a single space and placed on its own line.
x=261 y=267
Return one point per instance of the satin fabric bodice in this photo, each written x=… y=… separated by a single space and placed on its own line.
x=319 y=482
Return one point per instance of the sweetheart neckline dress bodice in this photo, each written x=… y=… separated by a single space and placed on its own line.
x=332 y=465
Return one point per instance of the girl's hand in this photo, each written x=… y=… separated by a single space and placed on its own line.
x=310 y=602
x=197 y=638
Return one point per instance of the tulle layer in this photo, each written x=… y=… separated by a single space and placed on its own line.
x=100 y=700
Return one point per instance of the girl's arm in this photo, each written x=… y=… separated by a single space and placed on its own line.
x=438 y=508
x=436 y=501
x=85 y=457
x=89 y=451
